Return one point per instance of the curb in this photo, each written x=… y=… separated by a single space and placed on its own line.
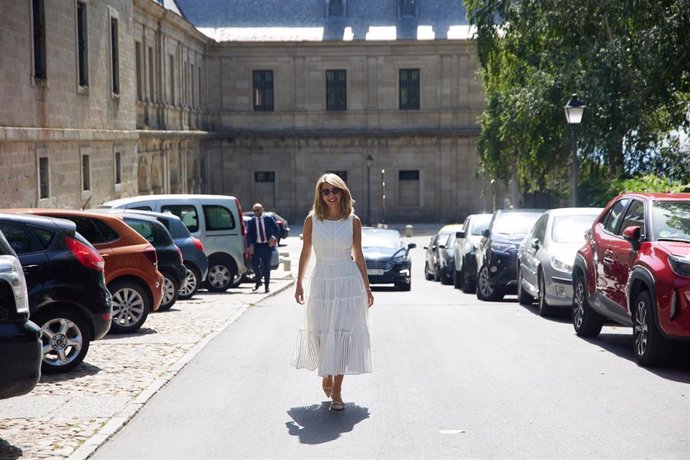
x=119 y=420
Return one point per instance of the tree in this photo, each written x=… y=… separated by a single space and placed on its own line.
x=629 y=61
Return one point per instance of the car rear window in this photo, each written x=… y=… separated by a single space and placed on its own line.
x=154 y=234
x=186 y=213
x=18 y=237
x=218 y=218
x=94 y=230
x=44 y=236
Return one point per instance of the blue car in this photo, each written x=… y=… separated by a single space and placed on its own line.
x=387 y=257
x=192 y=250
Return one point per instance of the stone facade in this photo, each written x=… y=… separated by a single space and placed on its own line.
x=183 y=119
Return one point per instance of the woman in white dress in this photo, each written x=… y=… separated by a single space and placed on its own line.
x=334 y=334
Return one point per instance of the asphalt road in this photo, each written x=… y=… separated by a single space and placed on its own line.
x=453 y=378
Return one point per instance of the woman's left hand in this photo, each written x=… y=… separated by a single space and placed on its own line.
x=370 y=297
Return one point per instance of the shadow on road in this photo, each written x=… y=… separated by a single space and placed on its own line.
x=9 y=451
x=317 y=424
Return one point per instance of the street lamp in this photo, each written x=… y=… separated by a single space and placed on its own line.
x=370 y=162
x=573 y=114
x=383 y=199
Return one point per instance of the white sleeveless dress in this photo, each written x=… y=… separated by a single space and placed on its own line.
x=334 y=334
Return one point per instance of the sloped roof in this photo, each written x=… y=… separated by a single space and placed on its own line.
x=306 y=20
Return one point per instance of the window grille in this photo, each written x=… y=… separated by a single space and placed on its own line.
x=408 y=188
x=336 y=8
x=82 y=44
x=39 y=34
x=264 y=176
x=263 y=90
x=118 y=167
x=409 y=89
x=341 y=174
x=85 y=172
x=43 y=177
x=139 y=71
x=115 y=55
x=336 y=90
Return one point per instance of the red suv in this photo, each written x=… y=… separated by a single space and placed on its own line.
x=634 y=269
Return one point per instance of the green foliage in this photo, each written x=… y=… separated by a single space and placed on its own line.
x=628 y=61
x=599 y=192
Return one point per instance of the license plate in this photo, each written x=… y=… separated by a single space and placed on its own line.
x=373 y=271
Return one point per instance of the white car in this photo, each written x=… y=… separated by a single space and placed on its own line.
x=465 y=249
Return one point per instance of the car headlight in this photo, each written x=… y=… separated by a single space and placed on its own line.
x=679 y=265
x=561 y=265
x=502 y=247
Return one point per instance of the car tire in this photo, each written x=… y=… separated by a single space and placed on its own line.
x=587 y=322
x=427 y=275
x=131 y=306
x=649 y=345
x=404 y=286
x=466 y=283
x=222 y=275
x=171 y=291
x=65 y=340
x=190 y=285
x=485 y=291
x=445 y=276
x=437 y=273
x=457 y=277
x=524 y=298
x=543 y=308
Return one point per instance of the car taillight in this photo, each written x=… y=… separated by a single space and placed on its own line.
x=150 y=254
x=86 y=256
x=179 y=253
x=279 y=222
x=198 y=244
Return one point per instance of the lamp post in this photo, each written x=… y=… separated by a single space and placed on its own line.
x=370 y=162
x=573 y=114
x=383 y=199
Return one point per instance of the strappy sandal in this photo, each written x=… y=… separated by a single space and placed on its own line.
x=327 y=385
x=337 y=402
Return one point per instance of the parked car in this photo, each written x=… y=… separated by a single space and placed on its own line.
x=497 y=253
x=446 y=262
x=547 y=254
x=20 y=338
x=465 y=251
x=68 y=298
x=131 y=264
x=432 y=267
x=216 y=220
x=634 y=269
x=192 y=249
x=170 y=262
x=387 y=257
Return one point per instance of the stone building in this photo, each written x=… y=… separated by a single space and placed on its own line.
x=254 y=99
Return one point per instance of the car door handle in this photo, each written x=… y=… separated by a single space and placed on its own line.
x=31 y=268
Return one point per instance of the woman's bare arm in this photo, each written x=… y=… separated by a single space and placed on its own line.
x=358 y=256
x=303 y=259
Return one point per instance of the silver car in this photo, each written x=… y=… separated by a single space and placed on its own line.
x=465 y=251
x=546 y=256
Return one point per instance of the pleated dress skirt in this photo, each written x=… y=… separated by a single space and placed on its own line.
x=333 y=337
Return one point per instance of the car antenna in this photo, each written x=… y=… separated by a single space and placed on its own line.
x=87 y=202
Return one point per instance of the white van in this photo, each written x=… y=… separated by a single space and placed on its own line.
x=216 y=220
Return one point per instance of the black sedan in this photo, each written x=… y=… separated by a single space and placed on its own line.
x=388 y=259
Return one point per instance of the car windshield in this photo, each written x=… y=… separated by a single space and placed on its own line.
x=671 y=220
x=480 y=223
x=515 y=223
x=571 y=229
x=374 y=239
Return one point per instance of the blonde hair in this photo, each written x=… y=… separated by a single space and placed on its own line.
x=320 y=209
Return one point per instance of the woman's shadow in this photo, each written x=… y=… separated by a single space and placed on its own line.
x=317 y=424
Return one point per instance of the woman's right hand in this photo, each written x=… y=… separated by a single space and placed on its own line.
x=299 y=294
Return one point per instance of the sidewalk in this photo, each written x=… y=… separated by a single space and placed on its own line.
x=70 y=415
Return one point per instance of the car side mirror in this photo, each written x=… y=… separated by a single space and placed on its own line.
x=426 y=247
x=460 y=234
x=486 y=233
x=411 y=246
x=633 y=235
x=442 y=246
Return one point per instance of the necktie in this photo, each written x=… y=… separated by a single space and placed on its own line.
x=262 y=234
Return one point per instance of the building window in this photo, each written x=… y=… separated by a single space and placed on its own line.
x=114 y=56
x=264 y=176
x=336 y=90
x=86 y=172
x=82 y=44
x=407 y=8
x=263 y=90
x=151 y=90
x=408 y=188
x=409 y=89
x=39 y=34
x=139 y=71
x=172 y=79
x=340 y=173
x=118 y=167
x=336 y=8
x=43 y=178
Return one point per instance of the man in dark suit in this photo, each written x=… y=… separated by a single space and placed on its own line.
x=262 y=235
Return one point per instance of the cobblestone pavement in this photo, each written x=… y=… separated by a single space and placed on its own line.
x=70 y=415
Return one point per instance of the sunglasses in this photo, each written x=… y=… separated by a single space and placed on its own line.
x=328 y=191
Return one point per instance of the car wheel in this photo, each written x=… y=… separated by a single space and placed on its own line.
x=65 y=340
x=191 y=283
x=171 y=289
x=221 y=275
x=543 y=307
x=524 y=298
x=457 y=276
x=437 y=273
x=131 y=307
x=427 y=273
x=587 y=322
x=650 y=346
x=466 y=282
x=485 y=290
x=445 y=276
